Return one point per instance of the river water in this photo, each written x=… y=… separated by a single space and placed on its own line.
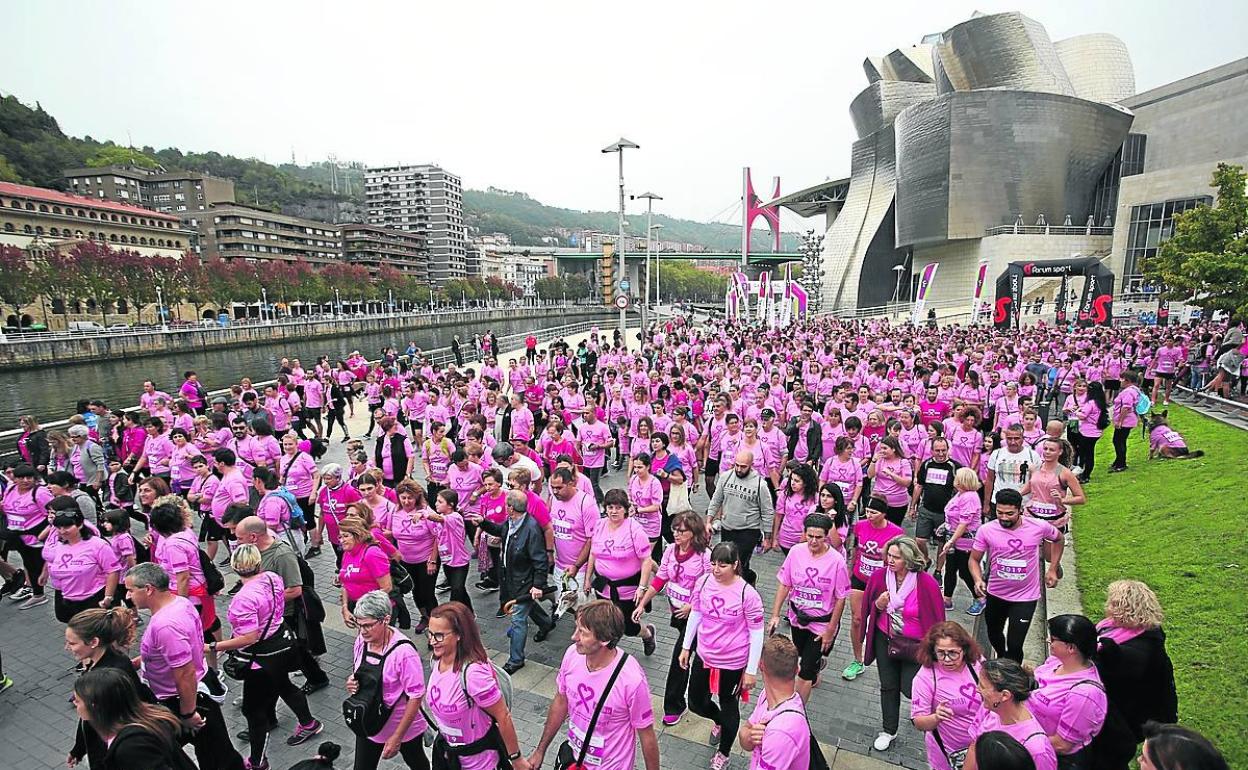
x=51 y=393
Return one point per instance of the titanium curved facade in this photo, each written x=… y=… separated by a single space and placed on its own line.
x=973 y=160
x=1099 y=66
x=974 y=128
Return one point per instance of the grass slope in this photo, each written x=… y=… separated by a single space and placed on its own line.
x=1178 y=525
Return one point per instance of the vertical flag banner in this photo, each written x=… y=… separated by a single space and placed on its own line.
x=764 y=294
x=786 y=316
x=799 y=300
x=742 y=302
x=980 y=275
x=920 y=300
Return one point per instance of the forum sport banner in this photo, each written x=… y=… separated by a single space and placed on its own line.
x=976 y=301
x=764 y=295
x=920 y=300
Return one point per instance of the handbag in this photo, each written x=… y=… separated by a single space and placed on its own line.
x=268 y=651
x=903 y=648
x=564 y=760
x=400 y=579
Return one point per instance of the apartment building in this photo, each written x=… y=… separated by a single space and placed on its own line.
x=237 y=231
x=374 y=246
x=178 y=192
x=422 y=199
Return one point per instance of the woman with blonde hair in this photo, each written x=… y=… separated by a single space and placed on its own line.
x=1136 y=671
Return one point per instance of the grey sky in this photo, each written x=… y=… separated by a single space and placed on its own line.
x=523 y=96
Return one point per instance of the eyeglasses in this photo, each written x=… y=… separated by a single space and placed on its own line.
x=368 y=626
x=437 y=637
x=949 y=654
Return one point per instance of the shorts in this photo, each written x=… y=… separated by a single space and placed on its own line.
x=810 y=653
x=65 y=609
x=927 y=522
x=1164 y=375
x=856 y=584
x=1113 y=385
x=212 y=532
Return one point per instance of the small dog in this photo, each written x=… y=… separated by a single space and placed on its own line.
x=1166 y=442
x=317 y=447
x=569 y=595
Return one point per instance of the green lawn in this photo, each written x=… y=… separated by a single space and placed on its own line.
x=1178 y=525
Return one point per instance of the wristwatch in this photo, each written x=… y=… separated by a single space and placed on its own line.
x=513 y=757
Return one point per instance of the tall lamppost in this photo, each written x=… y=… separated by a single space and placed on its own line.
x=160 y=309
x=264 y=302
x=337 y=303
x=619 y=148
x=649 y=198
x=658 y=297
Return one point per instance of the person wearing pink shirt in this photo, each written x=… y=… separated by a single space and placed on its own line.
x=594 y=441
x=25 y=507
x=332 y=498
x=296 y=470
x=265 y=449
x=1005 y=689
x=645 y=497
x=777 y=733
x=726 y=624
x=452 y=551
x=965 y=440
x=276 y=505
x=902 y=602
x=465 y=478
x=1012 y=544
x=962 y=518
x=149 y=396
x=416 y=537
x=157 y=450
x=813 y=583
x=365 y=564
x=385 y=659
x=596 y=676
x=573 y=518
x=944 y=697
x=619 y=563
x=81 y=566
x=796 y=500
x=1069 y=701
x=1124 y=419
x=1093 y=415
x=436 y=457
x=464 y=701
x=181 y=474
x=177 y=552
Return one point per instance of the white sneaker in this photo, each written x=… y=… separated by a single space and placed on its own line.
x=21 y=594
x=884 y=740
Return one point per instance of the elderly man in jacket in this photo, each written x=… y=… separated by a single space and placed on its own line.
x=87 y=461
x=525 y=572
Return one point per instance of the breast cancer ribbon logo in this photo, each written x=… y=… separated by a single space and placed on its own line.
x=1015 y=544
x=678 y=571
x=812 y=576
x=609 y=545
x=717 y=606
x=969 y=691
x=585 y=697
x=66 y=558
x=435 y=694
x=871 y=547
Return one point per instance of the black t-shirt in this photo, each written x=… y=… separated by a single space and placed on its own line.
x=936 y=478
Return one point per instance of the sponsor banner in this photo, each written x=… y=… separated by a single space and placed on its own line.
x=920 y=300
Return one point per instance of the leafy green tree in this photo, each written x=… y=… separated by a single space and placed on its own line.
x=1205 y=262
x=8 y=172
x=112 y=155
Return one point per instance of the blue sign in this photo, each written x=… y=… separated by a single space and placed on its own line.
x=625 y=285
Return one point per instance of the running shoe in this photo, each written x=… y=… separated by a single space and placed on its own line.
x=648 y=645
x=853 y=671
x=304 y=733
x=313 y=552
x=976 y=607
x=716 y=731
x=21 y=594
x=719 y=761
x=884 y=740
x=6 y=683
x=14 y=584
x=672 y=719
x=32 y=602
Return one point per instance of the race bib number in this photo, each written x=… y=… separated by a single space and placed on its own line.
x=1012 y=569
x=807 y=598
x=937 y=476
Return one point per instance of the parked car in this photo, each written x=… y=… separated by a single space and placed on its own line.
x=119 y=327
x=85 y=326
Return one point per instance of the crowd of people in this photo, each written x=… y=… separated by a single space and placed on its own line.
x=884 y=465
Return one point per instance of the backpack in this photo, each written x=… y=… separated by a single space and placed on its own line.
x=366 y=713
x=817 y=760
x=296 y=512
x=504 y=685
x=1143 y=404
x=213 y=580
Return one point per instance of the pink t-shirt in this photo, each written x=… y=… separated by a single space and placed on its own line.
x=613 y=745
x=964 y=444
x=159 y=451
x=681 y=575
x=296 y=473
x=174 y=637
x=649 y=492
x=1014 y=557
x=793 y=510
x=964 y=508
x=81 y=570
x=458 y=719
x=234 y=488
x=25 y=510
x=361 y=568
x=573 y=523
x=786 y=739
x=597 y=434
x=402 y=679
x=1029 y=733
x=415 y=535
x=452 y=547
x=894 y=494
x=619 y=554
x=815 y=584
x=123 y=545
x=869 y=554
x=464 y=483
x=275 y=512
x=333 y=504
x=932 y=686
x=179 y=553
x=1072 y=706
x=729 y=613
x=258 y=605
x=846 y=474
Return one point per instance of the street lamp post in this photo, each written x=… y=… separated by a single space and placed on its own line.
x=650 y=198
x=900 y=270
x=619 y=148
x=337 y=303
x=658 y=297
x=160 y=305
x=264 y=302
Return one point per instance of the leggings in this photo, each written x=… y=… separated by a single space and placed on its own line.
x=1086 y=452
x=261 y=689
x=32 y=562
x=727 y=714
x=1120 y=447
x=368 y=754
x=372 y=417
x=677 y=678
x=896 y=676
x=335 y=416
x=213 y=747
x=423 y=594
x=957 y=565
x=746 y=540
x=1008 y=644
x=457 y=577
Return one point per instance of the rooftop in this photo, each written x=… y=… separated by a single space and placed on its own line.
x=66 y=199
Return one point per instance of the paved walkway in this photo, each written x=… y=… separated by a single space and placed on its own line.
x=37 y=722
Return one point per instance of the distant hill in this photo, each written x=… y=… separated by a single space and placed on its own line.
x=34 y=150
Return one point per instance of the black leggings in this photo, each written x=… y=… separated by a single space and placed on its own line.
x=957 y=565
x=32 y=562
x=335 y=416
x=896 y=676
x=1086 y=452
x=423 y=594
x=65 y=609
x=457 y=577
x=1008 y=644
x=261 y=689
x=727 y=714
x=212 y=744
x=677 y=678
x=372 y=417
x=1120 y=447
x=746 y=541
x=368 y=754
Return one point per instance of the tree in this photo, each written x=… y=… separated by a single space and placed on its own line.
x=98 y=273
x=18 y=281
x=1205 y=262
x=112 y=155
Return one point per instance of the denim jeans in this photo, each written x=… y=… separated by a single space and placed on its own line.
x=519 y=629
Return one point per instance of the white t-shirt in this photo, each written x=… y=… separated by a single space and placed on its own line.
x=1008 y=467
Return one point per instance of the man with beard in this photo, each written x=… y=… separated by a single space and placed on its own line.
x=1012 y=544
x=743 y=507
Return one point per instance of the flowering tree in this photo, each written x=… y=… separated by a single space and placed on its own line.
x=19 y=282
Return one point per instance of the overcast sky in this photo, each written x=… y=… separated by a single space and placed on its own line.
x=523 y=95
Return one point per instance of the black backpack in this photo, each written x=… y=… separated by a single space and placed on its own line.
x=366 y=713
x=817 y=760
x=213 y=580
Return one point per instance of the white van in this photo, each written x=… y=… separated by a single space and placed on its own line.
x=85 y=326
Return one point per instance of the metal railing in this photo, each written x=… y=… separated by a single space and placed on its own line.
x=1048 y=230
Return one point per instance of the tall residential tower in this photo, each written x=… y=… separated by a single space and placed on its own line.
x=422 y=199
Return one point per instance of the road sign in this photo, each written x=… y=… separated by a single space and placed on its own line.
x=621 y=302
x=625 y=285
